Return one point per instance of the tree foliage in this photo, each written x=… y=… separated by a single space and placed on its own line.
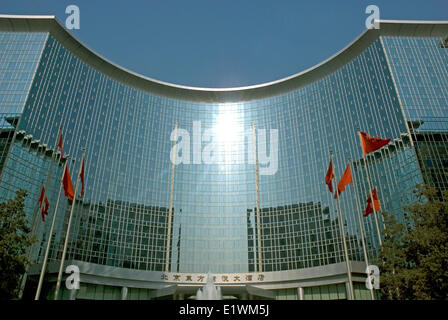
x=414 y=257
x=15 y=238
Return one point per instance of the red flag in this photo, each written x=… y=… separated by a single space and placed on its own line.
x=330 y=175
x=82 y=178
x=45 y=209
x=60 y=143
x=43 y=197
x=67 y=182
x=370 y=144
x=376 y=201
x=345 y=180
x=42 y=194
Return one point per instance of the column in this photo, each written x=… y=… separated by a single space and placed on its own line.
x=72 y=294
x=348 y=290
x=300 y=293
x=124 y=293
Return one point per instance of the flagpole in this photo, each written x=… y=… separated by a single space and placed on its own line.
x=342 y=230
x=34 y=229
x=178 y=241
x=47 y=250
x=170 y=211
x=50 y=170
x=64 y=251
x=370 y=194
x=361 y=228
x=260 y=264
x=47 y=182
x=29 y=250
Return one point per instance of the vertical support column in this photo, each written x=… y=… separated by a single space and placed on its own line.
x=348 y=291
x=300 y=293
x=124 y=293
x=260 y=265
x=170 y=213
x=72 y=294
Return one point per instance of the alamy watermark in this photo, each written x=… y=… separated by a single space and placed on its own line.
x=73 y=280
x=373 y=21
x=73 y=20
x=226 y=144
x=373 y=277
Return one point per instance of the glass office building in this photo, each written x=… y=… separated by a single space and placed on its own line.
x=259 y=217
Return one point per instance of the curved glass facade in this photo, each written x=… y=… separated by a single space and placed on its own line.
x=123 y=219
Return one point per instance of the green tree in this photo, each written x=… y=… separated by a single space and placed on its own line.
x=414 y=257
x=15 y=238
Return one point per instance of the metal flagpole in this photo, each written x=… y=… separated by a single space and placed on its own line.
x=64 y=251
x=260 y=264
x=47 y=250
x=342 y=230
x=361 y=228
x=34 y=228
x=178 y=241
x=50 y=170
x=371 y=195
x=170 y=213
x=35 y=225
x=30 y=249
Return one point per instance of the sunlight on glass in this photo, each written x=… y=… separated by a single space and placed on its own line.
x=229 y=133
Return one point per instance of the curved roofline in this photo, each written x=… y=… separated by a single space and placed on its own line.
x=49 y=23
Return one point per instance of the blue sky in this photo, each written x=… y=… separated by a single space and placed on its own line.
x=223 y=43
